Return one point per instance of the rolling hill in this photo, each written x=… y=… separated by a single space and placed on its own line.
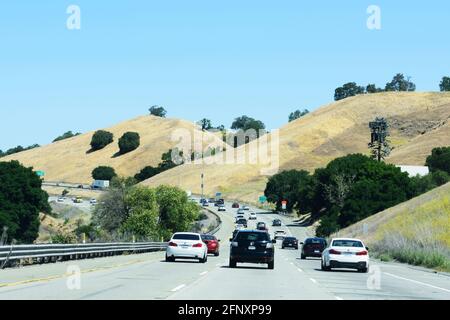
x=69 y=160
x=419 y=122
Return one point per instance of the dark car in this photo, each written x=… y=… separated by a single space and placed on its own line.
x=276 y=223
x=235 y=232
x=290 y=242
x=252 y=246
x=313 y=247
x=212 y=243
x=243 y=222
x=261 y=226
x=235 y=205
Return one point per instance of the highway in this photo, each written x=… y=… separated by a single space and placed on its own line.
x=149 y=277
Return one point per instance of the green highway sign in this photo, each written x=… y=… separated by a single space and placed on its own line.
x=40 y=173
x=262 y=199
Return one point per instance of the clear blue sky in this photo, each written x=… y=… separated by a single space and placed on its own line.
x=213 y=59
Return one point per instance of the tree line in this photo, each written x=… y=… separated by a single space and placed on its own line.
x=353 y=187
x=399 y=83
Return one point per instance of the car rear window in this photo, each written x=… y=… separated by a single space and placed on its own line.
x=347 y=243
x=290 y=238
x=208 y=237
x=185 y=236
x=315 y=241
x=252 y=236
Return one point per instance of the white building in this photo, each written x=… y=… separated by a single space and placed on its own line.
x=415 y=170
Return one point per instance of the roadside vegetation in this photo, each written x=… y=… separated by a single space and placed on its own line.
x=128 y=142
x=348 y=189
x=21 y=201
x=103 y=173
x=128 y=211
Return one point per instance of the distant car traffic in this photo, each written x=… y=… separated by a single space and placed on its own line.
x=93 y=201
x=242 y=221
x=276 y=223
x=313 y=247
x=261 y=226
x=235 y=205
x=246 y=208
x=280 y=234
x=187 y=246
x=222 y=207
x=252 y=247
x=78 y=200
x=212 y=243
x=239 y=217
x=290 y=242
x=252 y=216
x=240 y=211
x=60 y=199
x=346 y=253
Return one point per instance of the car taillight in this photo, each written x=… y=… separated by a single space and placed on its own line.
x=197 y=245
x=172 y=244
x=362 y=253
x=332 y=251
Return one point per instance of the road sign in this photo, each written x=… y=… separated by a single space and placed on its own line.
x=284 y=204
x=262 y=199
x=218 y=194
x=40 y=173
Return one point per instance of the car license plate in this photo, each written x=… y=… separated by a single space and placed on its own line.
x=348 y=253
x=252 y=248
x=316 y=251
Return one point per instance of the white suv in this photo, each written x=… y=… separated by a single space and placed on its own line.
x=346 y=253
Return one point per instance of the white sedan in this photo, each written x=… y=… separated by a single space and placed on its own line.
x=252 y=216
x=186 y=245
x=346 y=253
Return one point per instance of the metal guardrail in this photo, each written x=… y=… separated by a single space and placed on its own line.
x=62 y=252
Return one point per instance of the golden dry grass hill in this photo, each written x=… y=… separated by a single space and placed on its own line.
x=69 y=160
x=420 y=122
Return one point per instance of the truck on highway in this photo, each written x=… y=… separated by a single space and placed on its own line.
x=100 y=184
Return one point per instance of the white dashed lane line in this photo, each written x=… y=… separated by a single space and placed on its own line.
x=203 y=273
x=313 y=280
x=178 y=288
x=415 y=281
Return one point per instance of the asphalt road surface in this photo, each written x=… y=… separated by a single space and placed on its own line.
x=148 y=276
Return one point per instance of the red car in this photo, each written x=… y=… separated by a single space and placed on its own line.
x=235 y=205
x=212 y=243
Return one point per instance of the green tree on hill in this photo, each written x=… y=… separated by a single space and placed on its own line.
x=349 y=89
x=297 y=114
x=101 y=139
x=103 y=173
x=439 y=160
x=445 y=84
x=21 y=201
x=399 y=83
x=158 y=111
x=128 y=142
x=67 y=135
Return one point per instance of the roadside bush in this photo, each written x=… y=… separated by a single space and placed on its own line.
x=21 y=201
x=439 y=160
x=101 y=139
x=103 y=173
x=128 y=142
x=147 y=173
x=64 y=238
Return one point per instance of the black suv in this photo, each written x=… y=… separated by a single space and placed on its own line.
x=250 y=246
x=261 y=226
x=313 y=247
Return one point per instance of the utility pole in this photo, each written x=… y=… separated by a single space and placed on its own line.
x=203 y=185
